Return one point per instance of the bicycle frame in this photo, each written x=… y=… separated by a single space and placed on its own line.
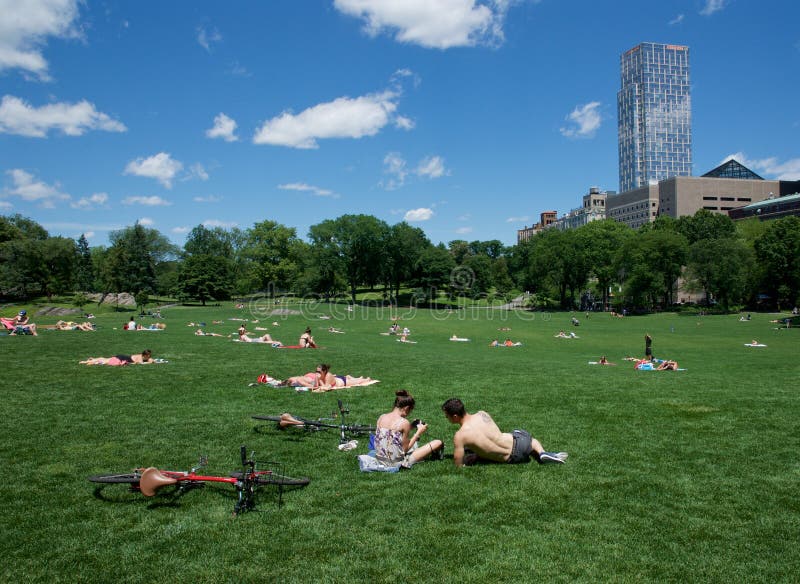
x=343 y=427
x=148 y=481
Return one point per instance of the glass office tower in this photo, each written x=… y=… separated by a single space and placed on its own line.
x=654 y=112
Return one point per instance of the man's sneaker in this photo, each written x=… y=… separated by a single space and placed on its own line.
x=549 y=457
x=562 y=455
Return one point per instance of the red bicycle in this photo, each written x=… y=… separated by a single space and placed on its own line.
x=254 y=474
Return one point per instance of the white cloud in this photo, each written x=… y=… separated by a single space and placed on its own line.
x=343 y=117
x=302 y=187
x=208 y=199
x=464 y=230
x=180 y=230
x=520 y=219
x=25 y=26
x=441 y=24
x=90 y=202
x=29 y=189
x=6 y=205
x=159 y=166
x=772 y=167
x=712 y=6
x=196 y=171
x=146 y=222
x=584 y=121
x=421 y=214
x=224 y=127
x=395 y=166
x=18 y=117
x=206 y=37
x=404 y=123
x=432 y=167
x=88 y=234
x=218 y=223
x=464 y=217
x=677 y=20
x=152 y=201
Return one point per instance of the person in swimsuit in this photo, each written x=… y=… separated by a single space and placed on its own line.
x=327 y=380
x=394 y=443
x=306 y=340
x=143 y=358
x=479 y=438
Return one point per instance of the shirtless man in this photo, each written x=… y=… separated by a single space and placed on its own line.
x=480 y=435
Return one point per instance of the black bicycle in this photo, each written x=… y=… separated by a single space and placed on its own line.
x=337 y=420
x=148 y=481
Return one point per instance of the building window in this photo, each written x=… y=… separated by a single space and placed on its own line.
x=727 y=199
x=709 y=198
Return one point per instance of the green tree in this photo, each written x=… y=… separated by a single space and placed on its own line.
x=404 y=248
x=722 y=267
x=84 y=267
x=132 y=259
x=272 y=256
x=705 y=225
x=206 y=272
x=600 y=241
x=356 y=244
x=434 y=269
x=778 y=250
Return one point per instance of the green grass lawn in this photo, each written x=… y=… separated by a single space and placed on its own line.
x=672 y=476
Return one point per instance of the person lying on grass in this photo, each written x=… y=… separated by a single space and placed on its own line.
x=327 y=381
x=143 y=358
x=479 y=439
x=63 y=325
x=201 y=333
x=265 y=338
x=394 y=443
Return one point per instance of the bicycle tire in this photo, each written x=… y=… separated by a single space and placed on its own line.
x=281 y=480
x=118 y=478
x=356 y=429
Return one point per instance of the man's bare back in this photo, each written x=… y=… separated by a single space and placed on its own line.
x=481 y=435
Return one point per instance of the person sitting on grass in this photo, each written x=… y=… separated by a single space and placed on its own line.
x=394 y=444
x=604 y=361
x=22 y=324
x=478 y=438
x=143 y=358
x=306 y=340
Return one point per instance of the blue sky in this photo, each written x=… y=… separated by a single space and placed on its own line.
x=466 y=118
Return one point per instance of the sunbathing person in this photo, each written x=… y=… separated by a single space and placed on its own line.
x=201 y=333
x=306 y=340
x=667 y=366
x=333 y=329
x=308 y=380
x=21 y=324
x=63 y=325
x=265 y=338
x=604 y=361
x=156 y=326
x=143 y=358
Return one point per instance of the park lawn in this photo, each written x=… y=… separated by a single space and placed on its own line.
x=672 y=476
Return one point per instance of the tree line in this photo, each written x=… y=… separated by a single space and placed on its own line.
x=603 y=264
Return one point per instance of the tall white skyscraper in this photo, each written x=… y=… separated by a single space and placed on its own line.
x=654 y=110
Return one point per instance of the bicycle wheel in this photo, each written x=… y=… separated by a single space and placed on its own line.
x=359 y=429
x=119 y=478
x=281 y=480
